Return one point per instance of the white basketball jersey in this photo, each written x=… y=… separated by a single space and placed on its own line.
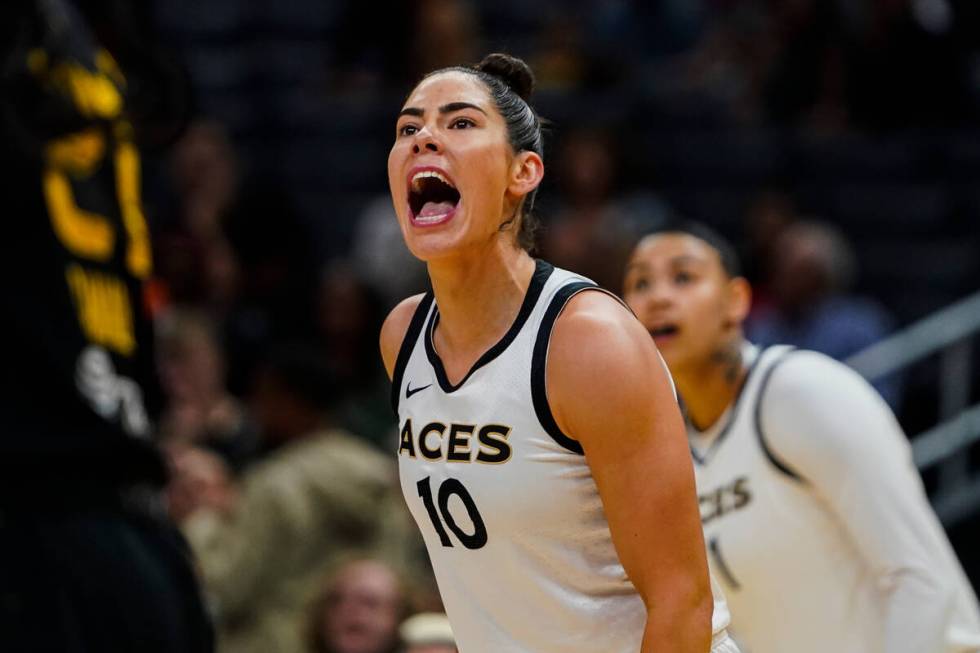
x=505 y=501
x=794 y=579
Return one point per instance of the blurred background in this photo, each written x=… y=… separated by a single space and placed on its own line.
x=835 y=142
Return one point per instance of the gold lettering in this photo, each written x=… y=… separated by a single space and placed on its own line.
x=104 y=310
x=84 y=233
x=79 y=153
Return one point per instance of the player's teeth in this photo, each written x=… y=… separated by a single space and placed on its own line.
x=419 y=176
x=430 y=218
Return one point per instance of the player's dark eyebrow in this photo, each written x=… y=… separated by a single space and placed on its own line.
x=459 y=106
x=444 y=109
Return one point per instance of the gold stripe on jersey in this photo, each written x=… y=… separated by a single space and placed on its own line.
x=138 y=257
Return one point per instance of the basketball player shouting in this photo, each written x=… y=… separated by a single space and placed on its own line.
x=815 y=518
x=542 y=453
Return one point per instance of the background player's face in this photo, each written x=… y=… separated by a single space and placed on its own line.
x=461 y=136
x=676 y=285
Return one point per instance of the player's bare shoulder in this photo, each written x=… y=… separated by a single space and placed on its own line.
x=600 y=351
x=595 y=327
x=394 y=328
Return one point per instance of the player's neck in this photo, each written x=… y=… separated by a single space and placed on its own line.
x=712 y=387
x=479 y=297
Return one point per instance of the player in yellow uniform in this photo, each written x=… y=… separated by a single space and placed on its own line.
x=88 y=561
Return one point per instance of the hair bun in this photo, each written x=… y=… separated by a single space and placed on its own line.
x=511 y=70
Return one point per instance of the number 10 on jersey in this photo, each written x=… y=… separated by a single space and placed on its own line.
x=475 y=540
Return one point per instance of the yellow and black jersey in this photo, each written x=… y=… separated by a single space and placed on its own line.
x=76 y=379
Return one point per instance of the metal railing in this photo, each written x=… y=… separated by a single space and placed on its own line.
x=948 y=332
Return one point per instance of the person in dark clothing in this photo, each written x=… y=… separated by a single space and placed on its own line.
x=88 y=561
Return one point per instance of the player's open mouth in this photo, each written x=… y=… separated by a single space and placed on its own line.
x=432 y=197
x=663 y=332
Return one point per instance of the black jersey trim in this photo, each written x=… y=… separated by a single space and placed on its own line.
x=766 y=449
x=542 y=270
x=703 y=459
x=539 y=361
x=726 y=572
x=408 y=344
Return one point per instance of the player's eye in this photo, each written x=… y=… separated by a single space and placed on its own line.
x=682 y=278
x=462 y=123
x=407 y=130
x=640 y=285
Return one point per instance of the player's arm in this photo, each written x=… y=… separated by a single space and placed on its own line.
x=826 y=424
x=609 y=390
x=393 y=330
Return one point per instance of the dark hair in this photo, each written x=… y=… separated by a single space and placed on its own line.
x=726 y=251
x=511 y=82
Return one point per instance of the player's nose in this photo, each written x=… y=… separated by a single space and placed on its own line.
x=659 y=296
x=425 y=141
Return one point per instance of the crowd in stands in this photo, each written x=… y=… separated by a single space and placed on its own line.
x=823 y=136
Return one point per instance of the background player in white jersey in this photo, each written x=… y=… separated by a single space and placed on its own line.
x=521 y=492
x=815 y=519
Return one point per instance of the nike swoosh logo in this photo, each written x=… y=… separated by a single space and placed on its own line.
x=409 y=390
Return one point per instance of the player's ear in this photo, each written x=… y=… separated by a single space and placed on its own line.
x=739 y=300
x=526 y=173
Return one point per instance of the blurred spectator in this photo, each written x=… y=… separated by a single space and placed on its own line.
x=205 y=176
x=592 y=231
x=427 y=632
x=446 y=34
x=195 y=260
x=358 y=610
x=263 y=542
x=239 y=252
x=198 y=408
x=810 y=274
x=349 y=314
x=561 y=62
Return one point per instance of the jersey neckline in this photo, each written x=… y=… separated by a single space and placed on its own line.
x=542 y=271
x=702 y=458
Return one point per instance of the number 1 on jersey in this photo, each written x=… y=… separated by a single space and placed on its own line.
x=451 y=486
